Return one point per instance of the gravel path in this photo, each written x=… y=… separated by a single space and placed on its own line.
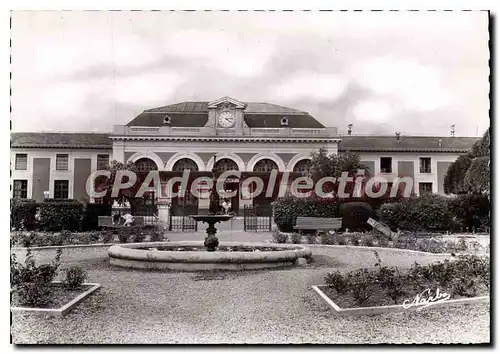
x=276 y=306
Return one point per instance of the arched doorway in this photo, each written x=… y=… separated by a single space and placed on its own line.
x=263 y=203
x=187 y=204
x=145 y=206
x=231 y=184
x=224 y=165
x=303 y=167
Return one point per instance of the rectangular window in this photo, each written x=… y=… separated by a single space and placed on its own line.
x=62 y=162
x=102 y=162
x=21 y=161
x=425 y=165
x=61 y=188
x=20 y=189
x=425 y=188
x=386 y=164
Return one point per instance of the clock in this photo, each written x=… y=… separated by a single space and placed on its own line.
x=226 y=120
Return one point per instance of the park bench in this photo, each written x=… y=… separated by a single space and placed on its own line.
x=306 y=223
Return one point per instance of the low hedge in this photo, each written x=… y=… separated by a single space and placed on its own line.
x=355 y=216
x=91 y=215
x=424 y=213
x=22 y=214
x=61 y=214
x=287 y=209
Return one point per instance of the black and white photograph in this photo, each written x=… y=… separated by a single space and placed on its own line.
x=250 y=177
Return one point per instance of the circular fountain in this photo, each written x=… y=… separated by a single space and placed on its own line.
x=192 y=256
x=210 y=254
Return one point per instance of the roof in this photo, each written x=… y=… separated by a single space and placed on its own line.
x=61 y=140
x=406 y=144
x=195 y=114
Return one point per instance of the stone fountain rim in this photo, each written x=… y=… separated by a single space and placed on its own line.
x=129 y=251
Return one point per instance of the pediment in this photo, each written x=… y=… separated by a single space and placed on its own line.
x=226 y=102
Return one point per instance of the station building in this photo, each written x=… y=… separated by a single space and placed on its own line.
x=251 y=137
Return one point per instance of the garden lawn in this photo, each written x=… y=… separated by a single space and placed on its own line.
x=275 y=306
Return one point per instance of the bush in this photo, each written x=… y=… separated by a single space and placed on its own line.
x=75 y=276
x=279 y=237
x=337 y=281
x=138 y=236
x=312 y=239
x=354 y=216
x=107 y=236
x=360 y=285
x=471 y=211
x=425 y=213
x=22 y=214
x=390 y=279
x=296 y=238
x=32 y=283
x=60 y=214
x=156 y=235
x=287 y=209
x=91 y=215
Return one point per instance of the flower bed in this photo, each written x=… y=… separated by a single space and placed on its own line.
x=61 y=302
x=460 y=278
x=442 y=244
x=42 y=239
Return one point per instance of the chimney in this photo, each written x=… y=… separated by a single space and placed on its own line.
x=453 y=130
x=349 y=129
x=398 y=136
x=440 y=142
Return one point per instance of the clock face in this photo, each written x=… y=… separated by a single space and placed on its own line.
x=226 y=119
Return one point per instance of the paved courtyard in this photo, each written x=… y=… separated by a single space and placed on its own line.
x=276 y=306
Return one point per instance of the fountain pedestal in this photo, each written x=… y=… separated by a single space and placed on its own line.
x=211 y=241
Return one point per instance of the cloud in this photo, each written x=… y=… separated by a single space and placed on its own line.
x=408 y=72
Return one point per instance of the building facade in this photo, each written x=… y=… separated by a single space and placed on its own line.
x=253 y=138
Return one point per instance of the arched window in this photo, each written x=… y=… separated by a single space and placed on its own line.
x=145 y=165
x=303 y=166
x=265 y=165
x=185 y=164
x=224 y=165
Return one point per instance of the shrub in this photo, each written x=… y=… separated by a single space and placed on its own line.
x=60 y=214
x=75 y=276
x=390 y=279
x=367 y=240
x=138 y=236
x=354 y=216
x=471 y=211
x=156 y=235
x=123 y=235
x=296 y=238
x=360 y=285
x=312 y=239
x=279 y=237
x=287 y=209
x=327 y=239
x=338 y=282
x=32 y=283
x=107 y=236
x=22 y=214
x=424 y=213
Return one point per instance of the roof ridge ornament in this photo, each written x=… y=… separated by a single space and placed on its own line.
x=226 y=100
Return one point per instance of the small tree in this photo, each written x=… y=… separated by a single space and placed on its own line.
x=324 y=165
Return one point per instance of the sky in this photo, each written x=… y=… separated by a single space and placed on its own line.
x=384 y=72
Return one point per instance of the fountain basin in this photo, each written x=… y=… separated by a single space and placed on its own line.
x=144 y=255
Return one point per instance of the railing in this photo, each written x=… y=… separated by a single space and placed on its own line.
x=211 y=131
